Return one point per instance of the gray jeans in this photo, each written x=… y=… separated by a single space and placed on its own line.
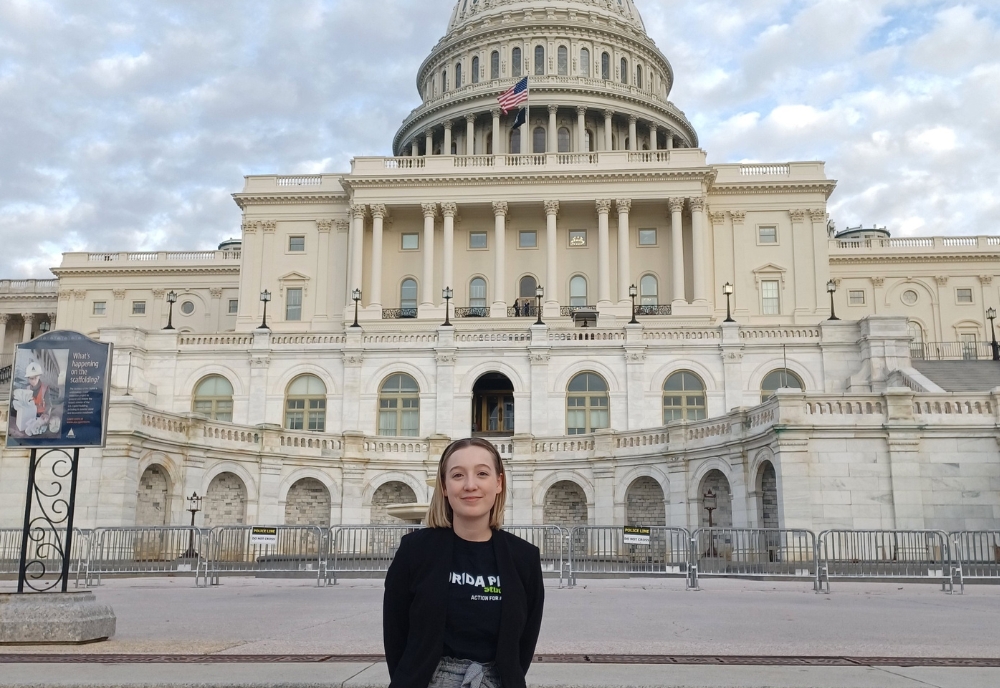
x=463 y=673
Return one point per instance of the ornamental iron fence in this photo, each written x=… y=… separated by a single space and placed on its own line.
x=398 y=313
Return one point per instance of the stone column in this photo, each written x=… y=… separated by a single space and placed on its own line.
x=581 y=129
x=216 y=294
x=447 y=138
x=52 y=324
x=670 y=141
x=497 y=147
x=429 y=142
x=624 y=206
x=603 y=254
x=323 y=229
x=551 y=262
x=633 y=143
x=357 y=242
x=4 y=318
x=29 y=320
x=499 y=309
x=427 y=292
x=677 y=250
x=553 y=136
x=415 y=148
x=698 y=247
x=802 y=263
x=653 y=133
x=470 y=134
x=379 y=213
x=116 y=311
x=821 y=257
x=449 y=211
x=607 y=129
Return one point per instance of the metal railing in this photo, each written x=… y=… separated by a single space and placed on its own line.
x=299 y=551
x=752 y=552
x=657 y=309
x=570 y=310
x=602 y=550
x=976 y=555
x=154 y=550
x=364 y=551
x=472 y=312
x=5 y=374
x=552 y=542
x=523 y=308
x=884 y=554
x=47 y=543
x=398 y=313
x=952 y=351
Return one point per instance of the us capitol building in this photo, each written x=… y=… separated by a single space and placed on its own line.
x=541 y=237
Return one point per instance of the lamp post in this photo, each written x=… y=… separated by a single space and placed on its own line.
x=194 y=506
x=831 y=287
x=265 y=296
x=171 y=299
x=991 y=315
x=633 y=292
x=710 y=504
x=447 y=294
x=727 y=289
x=356 y=296
x=539 y=293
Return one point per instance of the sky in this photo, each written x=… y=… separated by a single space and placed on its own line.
x=128 y=124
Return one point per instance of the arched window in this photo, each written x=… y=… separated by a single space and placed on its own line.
x=526 y=287
x=475 y=70
x=584 y=62
x=590 y=141
x=538 y=140
x=495 y=64
x=515 y=142
x=778 y=379
x=648 y=291
x=916 y=340
x=408 y=298
x=213 y=398
x=683 y=397
x=477 y=293
x=563 y=140
x=516 y=62
x=489 y=143
x=605 y=66
x=563 y=60
x=638 y=76
x=305 y=404
x=539 y=60
x=624 y=74
x=578 y=291
x=586 y=404
x=458 y=75
x=444 y=80
x=399 y=407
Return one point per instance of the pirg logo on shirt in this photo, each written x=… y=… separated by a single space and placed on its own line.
x=489 y=584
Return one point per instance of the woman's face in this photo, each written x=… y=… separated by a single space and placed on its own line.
x=471 y=482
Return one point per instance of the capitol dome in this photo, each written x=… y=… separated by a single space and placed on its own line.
x=597 y=82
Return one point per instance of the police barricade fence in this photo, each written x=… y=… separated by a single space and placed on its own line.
x=884 y=554
x=597 y=551
x=752 y=553
x=148 y=550
x=976 y=555
x=45 y=545
x=364 y=551
x=552 y=543
x=266 y=551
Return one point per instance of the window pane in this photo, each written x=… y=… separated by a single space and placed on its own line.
x=539 y=61
x=624 y=70
x=576 y=422
x=647 y=237
x=527 y=240
x=138 y=308
x=516 y=62
x=410 y=423
x=387 y=423
x=965 y=296
x=475 y=70
x=538 y=140
x=100 y=307
x=224 y=411
x=297 y=243
x=477 y=240
x=770 y=300
x=203 y=408
x=526 y=288
x=515 y=142
x=458 y=76
x=477 y=293
x=584 y=62
x=563 y=61
x=857 y=298
x=495 y=65
x=408 y=294
x=293 y=304
x=598 y=418
x=648 y=290
x=605 y=66
x=578 y=237
x=638 y=77
x=234 y=306
x=411 y=242
x=768 y=235
x=563 y=140
x=578 y=291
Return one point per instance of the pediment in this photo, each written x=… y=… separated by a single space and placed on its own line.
x=769 y=268
x=294 y=277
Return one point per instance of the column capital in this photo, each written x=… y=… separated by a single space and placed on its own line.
x=739 y=216
x=357 y=211
x=449 y=125
x=608 y=114
x=581 y=110
x=632 y=119
x=551 y=207
x=430 y=209
x=119 y=294
x=797 y=215
x=342 y=225
x=159 y=293
x=553 y=109
x=269 y=226
x=624 y=206
x=470 y=119
x=449 y=209
x=216 y=292
x=429 y=132
x=697 y=204
x=653 y=126
x=495 y=112
x=4 y=318
x=379 y=211
x=718 y=217
x=51 y=317
x=65 y=294
x=324 y=226
x=603 y=206
x=500 y=208
x=28 y=317
x=676 y=204
x=817 y=214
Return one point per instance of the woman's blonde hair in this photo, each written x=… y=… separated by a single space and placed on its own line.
x=440 y=513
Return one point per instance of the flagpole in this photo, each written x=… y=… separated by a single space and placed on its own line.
x=527 y=115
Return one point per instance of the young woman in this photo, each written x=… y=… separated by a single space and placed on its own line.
x=463 y=599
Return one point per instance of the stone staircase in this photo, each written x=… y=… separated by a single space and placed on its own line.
x=961 y=376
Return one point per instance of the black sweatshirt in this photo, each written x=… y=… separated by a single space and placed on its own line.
x=416 y=602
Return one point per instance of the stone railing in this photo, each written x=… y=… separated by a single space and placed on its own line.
x=780 y=333
x=954 y=405
x=93 y=260
x=215 y=340
x=682 y=334
x=29 y=286
x=916 y=244
x=394 y=445
x=306 y=339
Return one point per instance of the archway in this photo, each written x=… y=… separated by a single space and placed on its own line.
x=493 y=406
x=386 y=495
x=644 y=503
x=767 y=496
x=308 y=504
x=715 y=487
x=152 y=506
x=565 y=505
x=226 y=501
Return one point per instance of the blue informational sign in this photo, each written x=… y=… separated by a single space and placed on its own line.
x=60 y=386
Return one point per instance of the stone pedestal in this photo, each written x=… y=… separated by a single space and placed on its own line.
x=54 y=618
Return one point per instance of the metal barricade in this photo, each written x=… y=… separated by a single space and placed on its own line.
x=975 y=555
x=153 y=550
x=911 y=555
x=44 y=547
x=292 y=551
x=364 y=551
x=552 y=542
x=752 y=553
x=602 y=551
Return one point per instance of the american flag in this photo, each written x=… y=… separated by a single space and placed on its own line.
x=515 y=97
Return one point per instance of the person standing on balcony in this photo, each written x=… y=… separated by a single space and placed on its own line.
x=463 y=599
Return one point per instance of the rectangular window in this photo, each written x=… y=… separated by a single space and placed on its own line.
x=647 y=237
x=767 y=235
x=297 y=243
x=577 y=238
x=234 y=306
x=138 y=308
x=770 y=299
x=411 y=242
x=964 y=295
x=295 y=414
x=293 y=304
x=317 y=415
x=857 y=297
x=100 y=307
x=477 y=240
x=527 y=240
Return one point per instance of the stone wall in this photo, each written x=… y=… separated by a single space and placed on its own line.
x=152 y=500
x=644 y=503
x=767 y=498
x=226 y=501
x=565 y=505
x=386 y=495
x=308 y=504
x=722 y=517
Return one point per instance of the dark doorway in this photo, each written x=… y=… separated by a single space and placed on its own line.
x=493 y=406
